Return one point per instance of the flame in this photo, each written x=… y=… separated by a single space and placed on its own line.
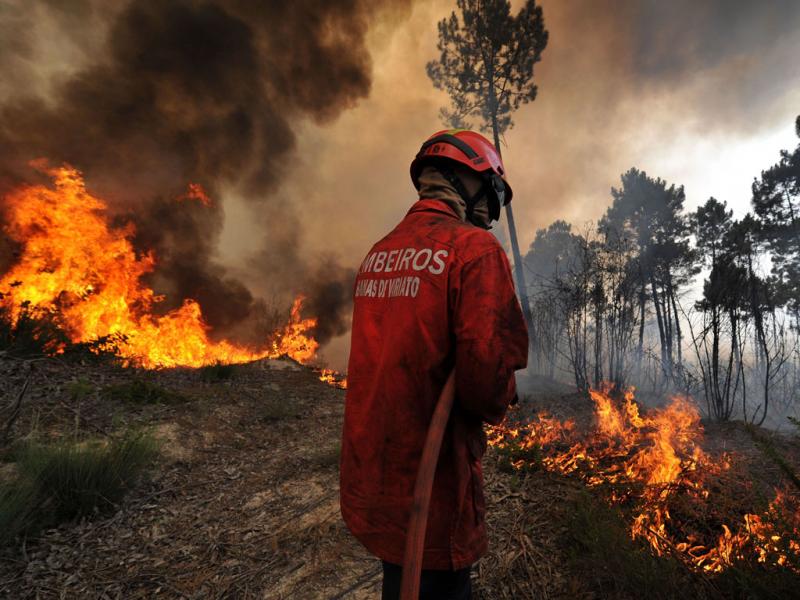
x=74 y=266
x=652 y=460
x=196 y=192
x=333 y=378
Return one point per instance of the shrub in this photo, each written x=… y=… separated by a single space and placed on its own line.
x=32 y=334
x=38 y=332
x=217 y=372
x=59 y=481
x=140 y=391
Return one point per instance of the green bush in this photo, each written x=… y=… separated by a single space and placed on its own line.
x=217 y=372
x=141 y=391
x=59 y=481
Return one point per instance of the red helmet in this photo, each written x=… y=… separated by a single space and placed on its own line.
x=470 y=149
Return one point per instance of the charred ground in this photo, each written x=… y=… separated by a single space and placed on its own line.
x=243 y=499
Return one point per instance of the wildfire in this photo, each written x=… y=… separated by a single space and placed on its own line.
x=74 y=266
x=653 y=462
x=333 y=378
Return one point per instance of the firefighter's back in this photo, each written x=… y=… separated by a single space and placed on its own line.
x=401 y=354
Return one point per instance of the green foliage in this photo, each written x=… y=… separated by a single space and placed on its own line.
x=59 y=481
x=486 y=61
x=776 y=202
x=650 y=214
x=792 y=420
x=554 y=256
x=141 y=391
x=712 y=222
x=217 y=372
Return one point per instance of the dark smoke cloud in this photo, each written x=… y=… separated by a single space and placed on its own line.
x=206 y=92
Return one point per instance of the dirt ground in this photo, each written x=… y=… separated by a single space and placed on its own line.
x=244 y=500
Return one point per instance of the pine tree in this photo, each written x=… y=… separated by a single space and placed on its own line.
x=486 y=66
x=776 y=202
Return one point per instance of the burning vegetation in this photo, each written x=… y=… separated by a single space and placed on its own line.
x=84 y=274
x=653 y=466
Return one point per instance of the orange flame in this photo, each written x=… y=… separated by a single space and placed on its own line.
x=333 y=378
x=196 y=192
x=75 y=266
x=651 y=459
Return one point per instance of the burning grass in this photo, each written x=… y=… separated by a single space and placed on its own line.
x=678 y=500
x=333 y=378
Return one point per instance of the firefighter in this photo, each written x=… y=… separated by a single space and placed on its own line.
x=434 y=294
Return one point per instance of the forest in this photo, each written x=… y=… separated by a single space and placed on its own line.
x=667 y=299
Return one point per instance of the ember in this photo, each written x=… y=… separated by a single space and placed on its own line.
x=76 y=267
x=651 y=462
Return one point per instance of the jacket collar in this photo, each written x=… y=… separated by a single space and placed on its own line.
x=433 y=205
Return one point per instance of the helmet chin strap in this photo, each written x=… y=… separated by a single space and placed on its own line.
x=469 y=200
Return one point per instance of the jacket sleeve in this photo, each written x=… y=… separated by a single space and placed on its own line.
x=491 y=336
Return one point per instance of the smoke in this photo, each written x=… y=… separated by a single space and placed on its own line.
x=647 y=83
x=146 y=97
x=205 y=92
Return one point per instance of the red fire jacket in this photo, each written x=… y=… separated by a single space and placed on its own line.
x=433 y=294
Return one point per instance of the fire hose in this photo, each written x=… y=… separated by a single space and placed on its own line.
x=418 y=521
